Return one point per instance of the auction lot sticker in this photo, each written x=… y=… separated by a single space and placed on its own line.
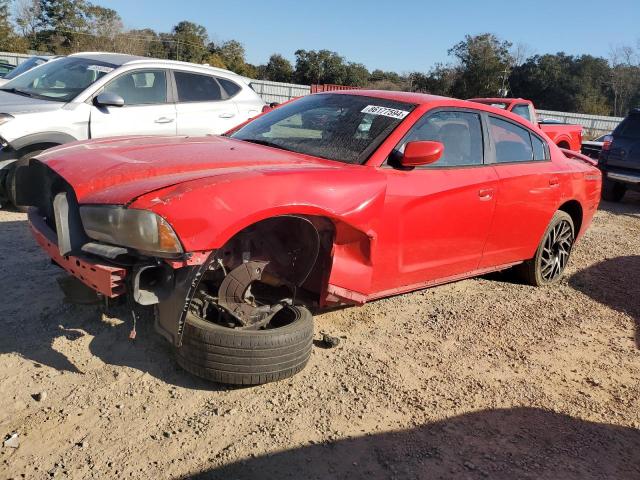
x=387 y=112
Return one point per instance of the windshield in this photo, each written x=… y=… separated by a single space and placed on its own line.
x=60 y=80
x=25 y=66
x=346 y=128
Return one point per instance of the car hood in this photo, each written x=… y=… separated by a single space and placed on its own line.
x=15 y=104
x=117 y=171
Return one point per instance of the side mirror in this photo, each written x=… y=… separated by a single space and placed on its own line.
x=421 y=153
x=108 y=99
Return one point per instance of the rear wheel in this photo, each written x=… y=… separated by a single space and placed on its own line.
x=613 y=191
x=553 y=253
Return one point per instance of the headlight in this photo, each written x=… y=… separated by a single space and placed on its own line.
x=127 y=227
x=5 y=117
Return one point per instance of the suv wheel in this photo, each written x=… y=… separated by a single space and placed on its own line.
x=612 y=191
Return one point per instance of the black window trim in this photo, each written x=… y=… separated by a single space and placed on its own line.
x=531 y=132
x=169 y=98
x=486 y=152
x=225 y=90
x=223 y=97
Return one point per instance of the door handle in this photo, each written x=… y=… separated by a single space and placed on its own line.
x=554 y=181
x=164 y=120
x=227 y=115
x=485 y=193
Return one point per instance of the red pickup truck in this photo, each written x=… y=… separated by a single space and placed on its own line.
x=562 y=134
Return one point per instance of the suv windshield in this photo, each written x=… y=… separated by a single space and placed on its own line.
x=60 y=80
x=346 y=128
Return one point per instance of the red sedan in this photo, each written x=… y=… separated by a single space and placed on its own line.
x=332 y=199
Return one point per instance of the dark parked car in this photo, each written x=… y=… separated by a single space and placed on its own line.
x=5 y=68
x=620 y=158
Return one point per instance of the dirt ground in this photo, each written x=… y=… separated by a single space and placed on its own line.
x=484 y=378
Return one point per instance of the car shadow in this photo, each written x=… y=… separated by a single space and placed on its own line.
x=630 y=205
x=36 y=321
x=614 y=282
x=522 y=443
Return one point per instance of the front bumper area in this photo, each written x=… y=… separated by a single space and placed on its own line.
x=108 y=280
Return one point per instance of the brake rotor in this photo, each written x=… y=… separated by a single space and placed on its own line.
x=234 y=292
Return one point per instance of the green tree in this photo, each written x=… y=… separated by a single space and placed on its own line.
x=189 y=42
x=278 y=69
x=356 y=75
x=319 y=67
x=483 y=63
x=62 y=24
x=9 y=41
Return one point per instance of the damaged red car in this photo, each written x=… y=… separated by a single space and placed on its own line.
x=333 y=199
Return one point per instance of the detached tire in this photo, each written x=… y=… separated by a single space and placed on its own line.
x=612 y=191
x=247 y=357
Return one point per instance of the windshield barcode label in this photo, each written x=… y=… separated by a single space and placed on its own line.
x=387 y=112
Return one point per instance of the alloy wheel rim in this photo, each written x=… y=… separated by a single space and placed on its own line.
x=556 y=250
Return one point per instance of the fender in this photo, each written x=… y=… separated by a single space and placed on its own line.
x=43 y=137
x=227 y=207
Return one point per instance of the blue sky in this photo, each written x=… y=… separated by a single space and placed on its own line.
x=394 y=35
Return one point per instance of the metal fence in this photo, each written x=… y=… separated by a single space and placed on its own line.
x=594 y=125
x=13 y=58
x=279 y=92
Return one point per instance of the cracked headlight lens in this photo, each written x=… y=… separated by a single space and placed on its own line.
x=127 y=227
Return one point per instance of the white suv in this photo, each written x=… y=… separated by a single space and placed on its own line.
x=93 y=95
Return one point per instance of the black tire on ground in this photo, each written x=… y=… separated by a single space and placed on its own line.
x=247 y=357
x=10 y=185
x=534 y=271
x=612 y=191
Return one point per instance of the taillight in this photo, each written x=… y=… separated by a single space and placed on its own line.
x=606 y=144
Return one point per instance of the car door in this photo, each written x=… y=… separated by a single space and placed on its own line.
x=203 y=106
x=529 y=192
x=440 y=213
x=146 y=110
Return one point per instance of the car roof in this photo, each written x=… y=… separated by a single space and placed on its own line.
x=126 y=59
x=434 y=100
x=415 y=98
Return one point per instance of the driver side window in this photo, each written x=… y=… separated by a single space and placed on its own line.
x=142 y=87
x=459 y=132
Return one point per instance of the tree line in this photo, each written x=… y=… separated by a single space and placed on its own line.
x=480 y=66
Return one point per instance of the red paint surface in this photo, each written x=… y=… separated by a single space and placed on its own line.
x=396 y=230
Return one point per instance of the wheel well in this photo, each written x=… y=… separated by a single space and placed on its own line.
x=34 y=148
x=564 y=144
x=299 y=248
x=574 y=209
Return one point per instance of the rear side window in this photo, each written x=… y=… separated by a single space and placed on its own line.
x=539 y=148
x=523 y=111
x=459 y=132
x=230 y=87
x=193 y=87
x=630 y=127
x=513 y=143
